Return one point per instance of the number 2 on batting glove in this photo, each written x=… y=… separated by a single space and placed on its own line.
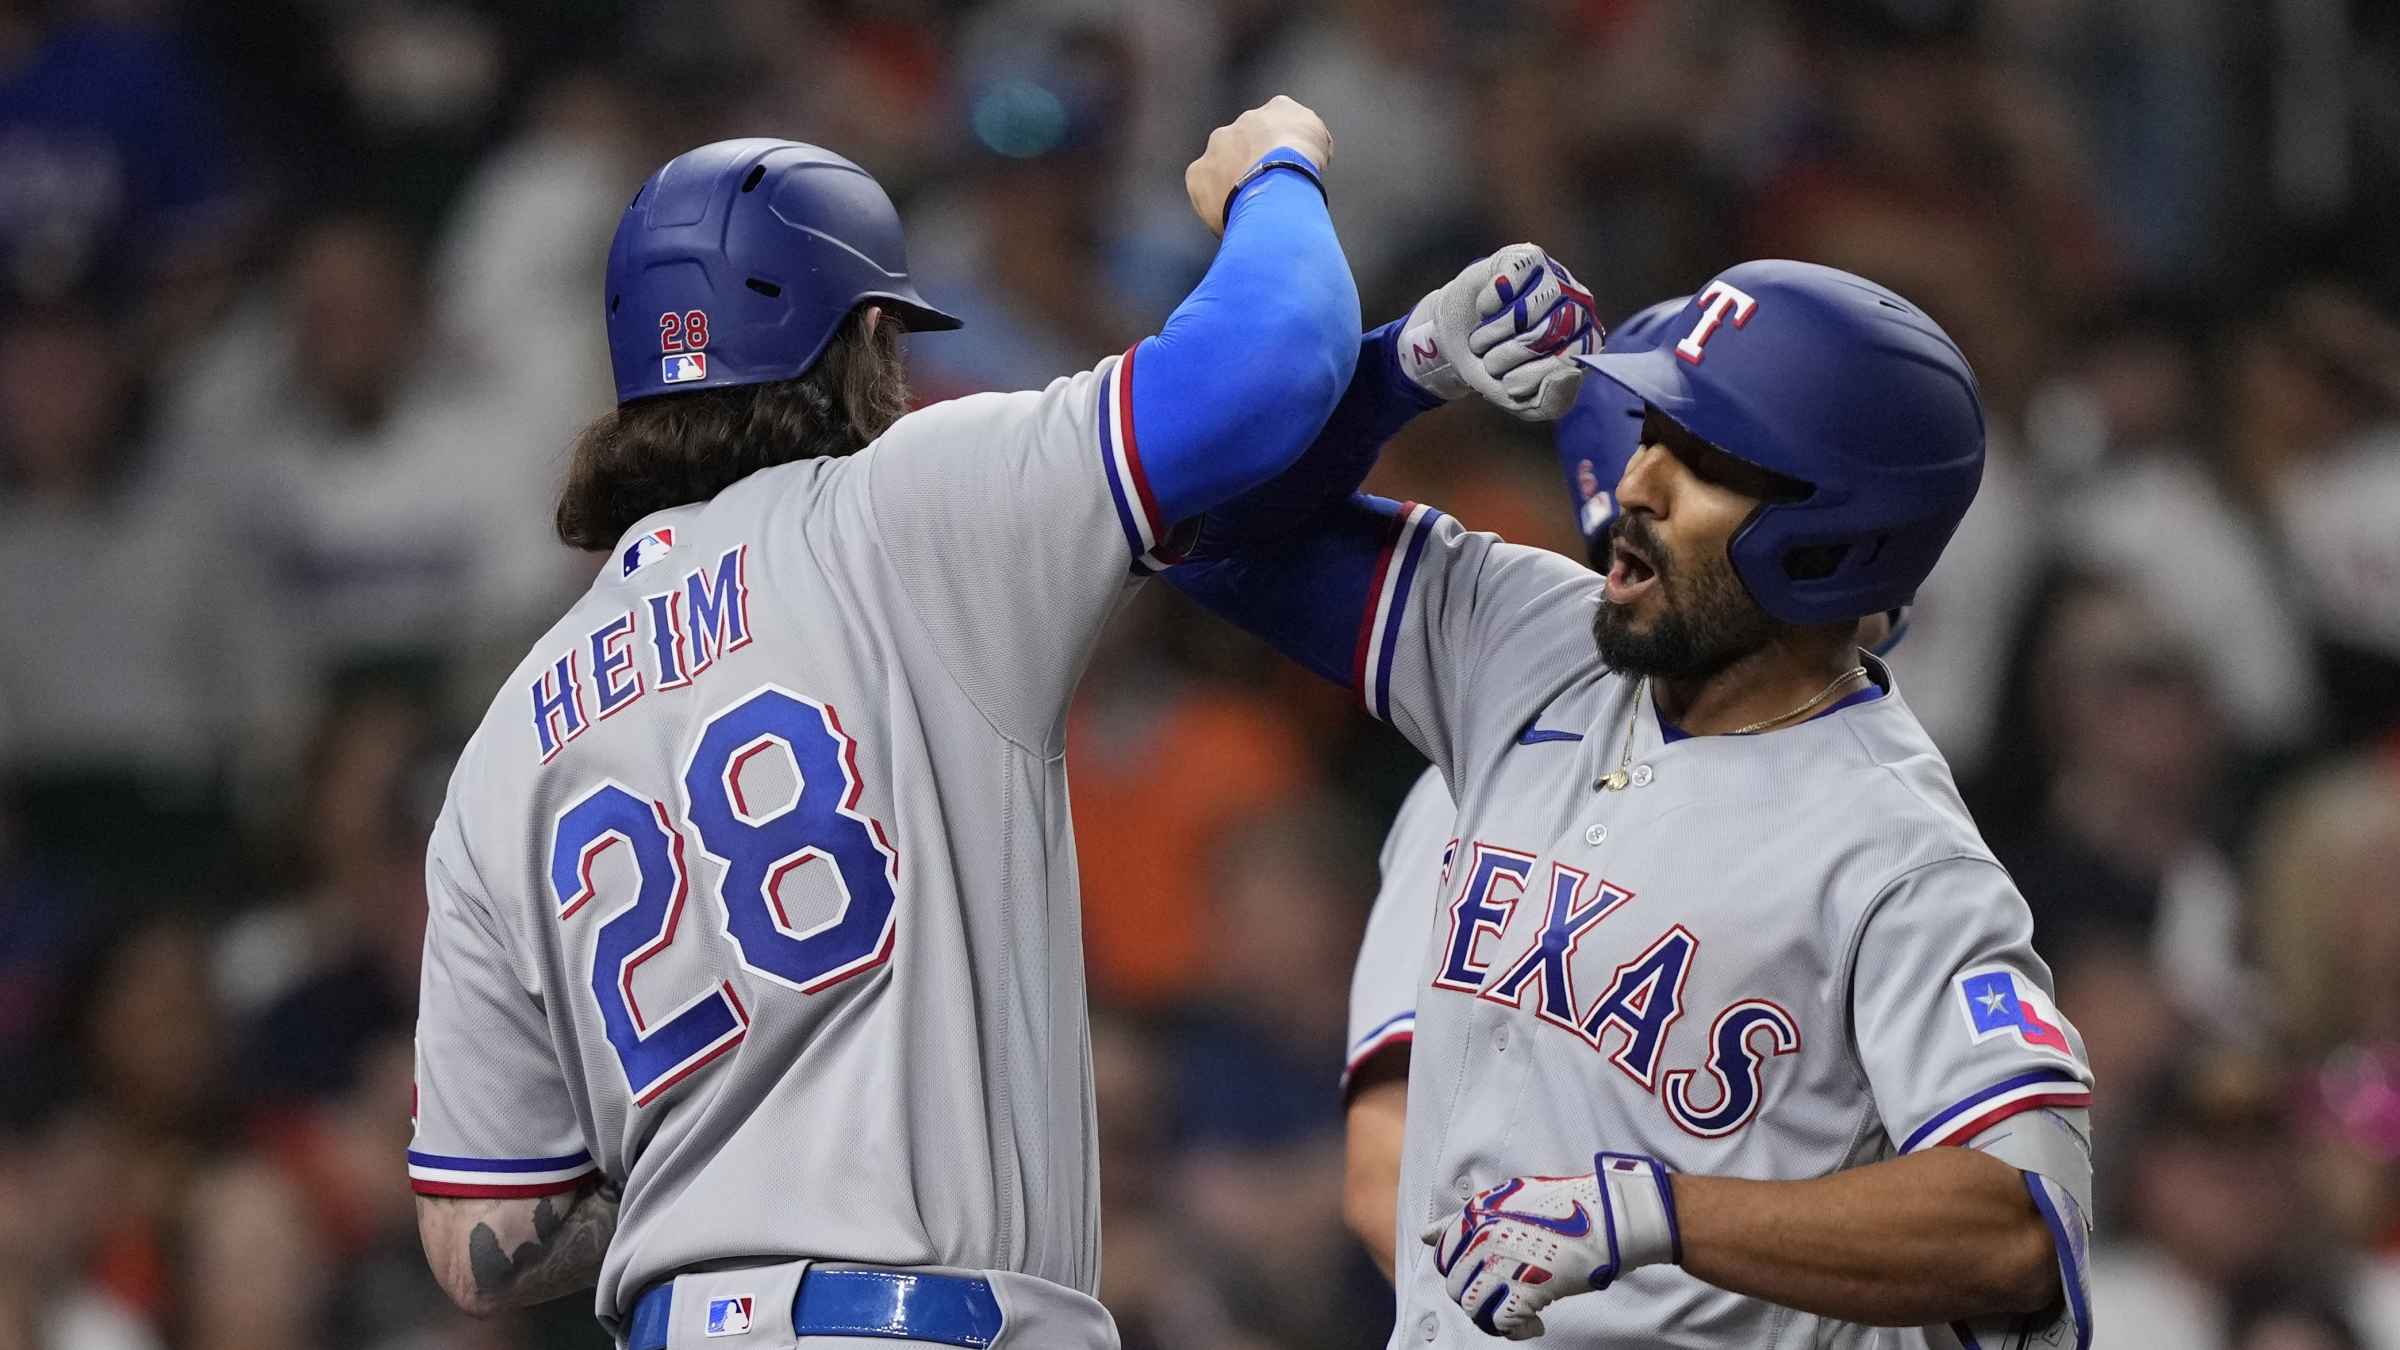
x=1509 y=327
x=1528 y=1242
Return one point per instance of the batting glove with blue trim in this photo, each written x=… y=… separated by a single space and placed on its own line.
x=1528 y=1242
x=1508 y=327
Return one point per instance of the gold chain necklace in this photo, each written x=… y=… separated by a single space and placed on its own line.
x=1819 y=697
x=1618 y=778
x=1615 y=782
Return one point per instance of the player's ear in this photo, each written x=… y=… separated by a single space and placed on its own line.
x=874 y=317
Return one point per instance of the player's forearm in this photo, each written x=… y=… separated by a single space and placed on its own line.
x=1376 y=1123
x=1379 y=401
x=1245 y=371
x=1947 y=1235
x=491 y=1255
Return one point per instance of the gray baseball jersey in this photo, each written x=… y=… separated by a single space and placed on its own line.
x=755 y=890
x=1770 y=956
x=1413 y=869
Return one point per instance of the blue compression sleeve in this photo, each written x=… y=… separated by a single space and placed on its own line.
x=1379 y=401
x=1313 y=592
x=1246 y=369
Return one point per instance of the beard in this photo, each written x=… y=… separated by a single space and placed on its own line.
x=1706 y=619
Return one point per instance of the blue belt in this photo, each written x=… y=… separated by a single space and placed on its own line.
x=896 y=1305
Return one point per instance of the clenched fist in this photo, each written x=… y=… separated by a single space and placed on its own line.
x=1508 y=327
x=1234 y=147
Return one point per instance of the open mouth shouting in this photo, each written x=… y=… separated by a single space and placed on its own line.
x=1630 y=571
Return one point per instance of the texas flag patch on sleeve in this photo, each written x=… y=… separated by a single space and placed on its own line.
x=1998 y=1003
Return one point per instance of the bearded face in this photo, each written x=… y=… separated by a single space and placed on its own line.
x=1674 y=607
x=1673 y=613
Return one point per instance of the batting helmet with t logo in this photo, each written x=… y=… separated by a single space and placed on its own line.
x=1836 y=383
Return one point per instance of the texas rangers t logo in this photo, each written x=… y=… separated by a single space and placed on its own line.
x=1998 y=1004
x=1715 y=303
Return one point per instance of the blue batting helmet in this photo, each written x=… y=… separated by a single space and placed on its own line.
x=1834 y=382
x=737 y=262
x=1599 y=434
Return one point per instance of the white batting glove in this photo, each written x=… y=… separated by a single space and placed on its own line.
x=1509 y=327
x=1528 y=1242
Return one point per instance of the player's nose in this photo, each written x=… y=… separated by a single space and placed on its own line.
x=1645 y=483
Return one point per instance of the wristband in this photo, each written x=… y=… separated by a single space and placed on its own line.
x=1641 y=1211
x=1283 y=157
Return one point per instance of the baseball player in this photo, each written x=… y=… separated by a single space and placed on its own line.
x=752 y=985
x=753 y=982
x=1596 y=440
x=1729 y=1029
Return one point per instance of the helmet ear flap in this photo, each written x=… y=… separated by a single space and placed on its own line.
x=1814 y=562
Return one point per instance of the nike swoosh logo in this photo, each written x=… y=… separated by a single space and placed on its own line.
x=1533 y=735
x=1575 y=1225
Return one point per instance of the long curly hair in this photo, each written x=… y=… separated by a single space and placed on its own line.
x=675 y=449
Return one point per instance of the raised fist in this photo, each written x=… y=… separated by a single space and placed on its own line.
x=1237 y=145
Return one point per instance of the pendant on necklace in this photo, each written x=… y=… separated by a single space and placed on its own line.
x=1614 y=781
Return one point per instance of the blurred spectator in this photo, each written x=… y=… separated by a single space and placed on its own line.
x=1381 y=72
x=323 y=977
x=2316 y=431
x=1161 y=765
x=1163 y=1281
x=147 y=660
x=2210 y=1207
x=2327 y=925
x=2122 y=733
x=114 y=172
x=2129 y=432
x=2281 y=1317
x=396 y=479
x=45 y=918
x=1258 y=1115
x=56 y=1179
x=1018 y=250
x=140 y=1055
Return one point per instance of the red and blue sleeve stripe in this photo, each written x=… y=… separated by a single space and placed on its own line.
x=1331 y=595
x=1379 y=625
x=497 y=1178
x=1145 y=529
x=1980 y=1111
x=1395 y=1031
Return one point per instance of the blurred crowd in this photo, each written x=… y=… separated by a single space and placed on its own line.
x=299 y=306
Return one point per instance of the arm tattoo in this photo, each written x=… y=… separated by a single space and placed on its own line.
x=517 y=1256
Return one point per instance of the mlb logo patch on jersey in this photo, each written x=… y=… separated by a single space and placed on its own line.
x=648 y=549
x=727 y=1317
x=1997 y=1003
x=683 y=368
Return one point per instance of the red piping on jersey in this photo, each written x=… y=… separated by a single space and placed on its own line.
x=1988 y=1119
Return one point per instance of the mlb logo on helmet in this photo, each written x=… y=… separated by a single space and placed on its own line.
x=648 y=549
x=727 y=1317
x=683 y=368
x=1999 y=1004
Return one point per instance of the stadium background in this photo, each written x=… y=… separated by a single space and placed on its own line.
x=301 y=307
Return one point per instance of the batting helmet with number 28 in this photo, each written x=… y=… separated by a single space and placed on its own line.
x=738 y=261
x=1832 y=381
